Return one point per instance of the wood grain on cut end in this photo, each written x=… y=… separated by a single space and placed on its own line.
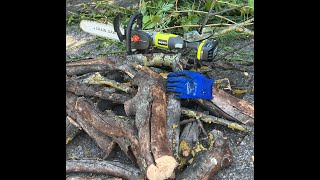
x=163 y=169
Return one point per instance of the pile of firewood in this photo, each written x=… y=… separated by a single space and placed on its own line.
x=158 y=134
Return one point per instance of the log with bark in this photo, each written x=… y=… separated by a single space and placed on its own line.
x=103 y=167
x=235 y=107
x=206 y=163
x=149 y=106
x=107 y=123
x=75 y=86
x=124 y=63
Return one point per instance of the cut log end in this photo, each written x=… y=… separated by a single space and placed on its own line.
x=163 y=169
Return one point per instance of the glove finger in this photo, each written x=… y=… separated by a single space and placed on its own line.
x=176 y=85
x=176 y=89
x=178 y=79
x=174 y=74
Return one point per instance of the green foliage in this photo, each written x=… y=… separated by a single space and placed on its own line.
x=161 y=15
x=251 y=5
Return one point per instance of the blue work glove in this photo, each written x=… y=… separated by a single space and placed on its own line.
x=189 y=84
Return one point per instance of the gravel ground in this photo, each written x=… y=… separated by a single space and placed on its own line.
x=81 y=45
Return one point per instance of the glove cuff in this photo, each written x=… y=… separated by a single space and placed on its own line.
x=207 y=88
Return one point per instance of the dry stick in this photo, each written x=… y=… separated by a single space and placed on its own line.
x=232 y=27
x=207 y=17
x=103 y=167
x=212 y=119
x=186 y=121
x=96 y=78
x=74 y=86
x=207 y=163
x=89 y=178
x=116 y=62
x=72 y=129
x=201 y=126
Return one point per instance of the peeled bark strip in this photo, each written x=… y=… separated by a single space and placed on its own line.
x=173 y=125
x=107 y=123
x=212 y=119
x=103 y=167
x=73 y=85
x=71 y=129
x=207 y=163
x=188 y=139
x=235 y=107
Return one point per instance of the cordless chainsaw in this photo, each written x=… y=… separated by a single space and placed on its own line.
x=138 y=40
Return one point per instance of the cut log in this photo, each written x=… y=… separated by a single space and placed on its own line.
x=103 y=167
x=212 y=119
x=107 y=123
x=149 y=107
x=173 y=125
x=235 y=107
x=207 y=163
x=75 y=86
x=72 y=129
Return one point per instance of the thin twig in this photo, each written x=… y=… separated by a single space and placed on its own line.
x=194 y=25
x=187 y=121
x=201 y=126
x=233 y=51
x=222 y=17
x=226 y=10
x=207 y=17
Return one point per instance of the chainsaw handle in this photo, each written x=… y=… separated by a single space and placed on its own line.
x=116 y=26
x=134 y=17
